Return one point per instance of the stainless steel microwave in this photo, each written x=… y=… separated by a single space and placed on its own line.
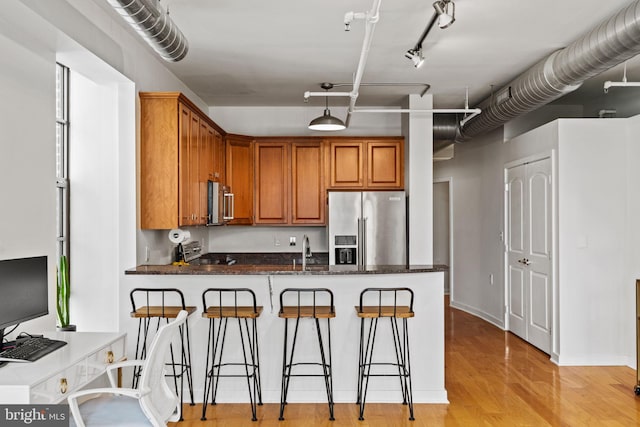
x=219 y=204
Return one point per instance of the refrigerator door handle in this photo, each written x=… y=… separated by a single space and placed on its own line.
x=359 y=241
x=364 y=242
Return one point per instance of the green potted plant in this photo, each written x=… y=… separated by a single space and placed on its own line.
x=63 y=290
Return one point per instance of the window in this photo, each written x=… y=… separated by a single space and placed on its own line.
x=62 y=157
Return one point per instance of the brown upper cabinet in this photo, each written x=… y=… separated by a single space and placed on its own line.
x=346 y=163
x=385 y=163
x=366 y=163
x=271 y=182
x=308 y=192
x=289 y=181
x=239 y=176
x=176 y=160
x=218 y=157
x=182 y=149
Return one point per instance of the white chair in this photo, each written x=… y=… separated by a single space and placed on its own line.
x=152 y=403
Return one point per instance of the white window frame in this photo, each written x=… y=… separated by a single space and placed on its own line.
x=62 y=159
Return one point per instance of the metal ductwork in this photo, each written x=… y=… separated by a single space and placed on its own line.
x=446 y=129
x=155 y=26
x=612 y=42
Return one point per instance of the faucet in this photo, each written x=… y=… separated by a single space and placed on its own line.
x=306 y=251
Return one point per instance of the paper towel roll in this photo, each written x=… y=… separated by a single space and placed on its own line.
x=179 y=236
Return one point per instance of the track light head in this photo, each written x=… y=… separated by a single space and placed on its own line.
x=415 y=55
x=446 y=10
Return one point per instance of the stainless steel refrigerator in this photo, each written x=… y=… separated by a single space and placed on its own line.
x=367 y=228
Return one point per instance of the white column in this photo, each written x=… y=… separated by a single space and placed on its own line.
x=418 y=132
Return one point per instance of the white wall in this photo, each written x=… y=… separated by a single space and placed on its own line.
x=597 y=232
x=27 y=163
x=94 y=189
x=632 y=242
x=33 y=34
x=592 y=226
x=476 y=174
x=441 y=229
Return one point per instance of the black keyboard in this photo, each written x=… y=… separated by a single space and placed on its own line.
x=31 y=350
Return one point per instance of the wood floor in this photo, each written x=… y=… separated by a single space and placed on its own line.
x=492 y=378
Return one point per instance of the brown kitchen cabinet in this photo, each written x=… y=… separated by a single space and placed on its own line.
x=308 y=192
x=239 y=176
x=385 y=163
x=366 y=163
x=271 y=182
x=206 y=167
x=346 y=163
x=218 y=157
x=176 y=160
x=289 y=182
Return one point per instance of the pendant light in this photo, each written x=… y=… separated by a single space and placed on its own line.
x=326 y=122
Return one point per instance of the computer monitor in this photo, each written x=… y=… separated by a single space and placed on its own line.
x=23 y=291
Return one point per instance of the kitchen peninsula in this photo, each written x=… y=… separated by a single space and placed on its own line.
x=426 y=329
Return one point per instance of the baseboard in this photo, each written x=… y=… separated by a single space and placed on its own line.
x=478 y=313
x=594 y=360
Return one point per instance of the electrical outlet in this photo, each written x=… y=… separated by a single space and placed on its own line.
x=276 y=241
x=147 y=254
x=292 y=241
x=491 y=279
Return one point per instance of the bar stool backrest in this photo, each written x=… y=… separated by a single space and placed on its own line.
x=311 y=297
x=157 y=297
x=229 y=297
x=387 y=297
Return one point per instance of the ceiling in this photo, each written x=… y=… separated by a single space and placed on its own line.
x=259 y=53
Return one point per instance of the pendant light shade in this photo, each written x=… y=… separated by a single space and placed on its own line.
x=326 y=122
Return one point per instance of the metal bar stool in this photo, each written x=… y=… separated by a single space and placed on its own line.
x=316 y=312
x=400 y=340
x=155 y=311
x=216 y=341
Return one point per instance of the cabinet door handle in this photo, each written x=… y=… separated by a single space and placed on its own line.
x=110 y=356
x=63 y=385
x=228 y=209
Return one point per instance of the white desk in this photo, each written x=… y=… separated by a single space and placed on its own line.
x=52 y=378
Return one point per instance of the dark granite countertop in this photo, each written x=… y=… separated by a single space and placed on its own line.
x=271 y=269
x=262 y=258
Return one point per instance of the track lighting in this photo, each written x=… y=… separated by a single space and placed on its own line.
x=326 y=122
x=444 y=14
x=446 y=10
x=415 y=55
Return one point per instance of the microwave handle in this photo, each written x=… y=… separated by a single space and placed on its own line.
x=228 y=207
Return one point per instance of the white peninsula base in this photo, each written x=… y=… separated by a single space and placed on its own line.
x=426 y=331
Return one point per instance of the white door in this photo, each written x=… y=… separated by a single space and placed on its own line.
x=529 y=277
